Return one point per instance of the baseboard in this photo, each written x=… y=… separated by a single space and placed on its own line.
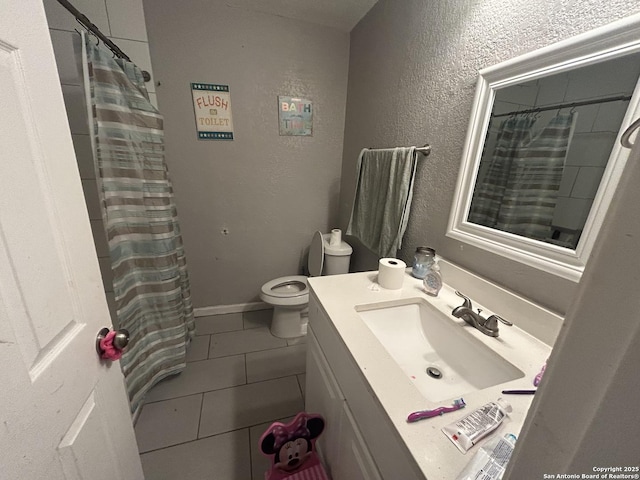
x=222 y=309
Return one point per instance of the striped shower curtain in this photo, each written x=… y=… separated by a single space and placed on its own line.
x=150 y=278
x=489 y=190
x=520 y=191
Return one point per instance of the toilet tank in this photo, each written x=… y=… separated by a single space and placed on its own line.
x=336 y=257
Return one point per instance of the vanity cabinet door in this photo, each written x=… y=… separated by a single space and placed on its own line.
x=323 y=396
x=355 y=461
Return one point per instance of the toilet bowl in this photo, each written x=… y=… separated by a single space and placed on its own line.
x=289 y=295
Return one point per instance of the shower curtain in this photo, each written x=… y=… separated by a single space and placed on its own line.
x=489 y=190
x=520 y=191
x=150 y=278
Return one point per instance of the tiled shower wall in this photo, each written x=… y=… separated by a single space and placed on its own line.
x=123 y=22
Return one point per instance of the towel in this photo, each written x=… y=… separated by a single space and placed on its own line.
x=384 y=190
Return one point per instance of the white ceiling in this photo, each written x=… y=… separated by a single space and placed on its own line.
x=341 y=14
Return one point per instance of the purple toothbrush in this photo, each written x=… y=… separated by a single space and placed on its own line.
x=415 y=416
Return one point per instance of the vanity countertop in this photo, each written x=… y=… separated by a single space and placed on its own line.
x=435 y=454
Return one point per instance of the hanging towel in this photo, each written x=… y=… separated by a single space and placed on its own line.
x=384 y=190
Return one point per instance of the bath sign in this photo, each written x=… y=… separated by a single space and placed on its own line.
x=212 y=107
x=295 y=116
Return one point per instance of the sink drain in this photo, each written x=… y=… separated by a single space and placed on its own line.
x=433 y=372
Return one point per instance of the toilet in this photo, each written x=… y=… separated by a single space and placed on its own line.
x=289 y=296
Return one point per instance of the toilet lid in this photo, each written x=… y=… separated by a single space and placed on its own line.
x=316 y=255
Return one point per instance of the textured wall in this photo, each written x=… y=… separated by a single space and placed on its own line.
x=270 y=192
x=412 y=77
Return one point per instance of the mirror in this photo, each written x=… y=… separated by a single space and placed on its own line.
x=542 y=156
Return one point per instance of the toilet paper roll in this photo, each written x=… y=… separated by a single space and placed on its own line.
x=391 y=273
x=336 y=237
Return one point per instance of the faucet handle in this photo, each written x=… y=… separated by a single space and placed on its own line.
x=467 y=300
x=498 y=317
x=491 y=324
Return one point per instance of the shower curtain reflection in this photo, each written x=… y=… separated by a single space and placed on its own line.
x=517 y=191
x=150 y=278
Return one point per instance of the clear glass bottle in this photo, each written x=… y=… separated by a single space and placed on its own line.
x=432 y=280
x=422 y=260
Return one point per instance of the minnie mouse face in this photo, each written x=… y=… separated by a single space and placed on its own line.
x=291 y=444
x=292 y=454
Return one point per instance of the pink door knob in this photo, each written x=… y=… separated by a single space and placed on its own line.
x=111 y=343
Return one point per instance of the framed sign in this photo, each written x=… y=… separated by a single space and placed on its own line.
x=295 y=116
x=212 y=107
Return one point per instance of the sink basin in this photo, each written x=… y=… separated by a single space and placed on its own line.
x=441 y=357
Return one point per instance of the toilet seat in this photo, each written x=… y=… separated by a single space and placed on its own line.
x=291 y=290
x=291 y=286
x=294 y=290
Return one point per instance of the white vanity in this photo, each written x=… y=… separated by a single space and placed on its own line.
x=365 y=389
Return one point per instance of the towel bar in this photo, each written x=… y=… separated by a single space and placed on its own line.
x=425 y=150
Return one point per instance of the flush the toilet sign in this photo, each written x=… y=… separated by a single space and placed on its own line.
x=212 y=107
x=295 y=116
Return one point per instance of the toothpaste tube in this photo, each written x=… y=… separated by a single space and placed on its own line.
x=466 y=432
x=491 y=460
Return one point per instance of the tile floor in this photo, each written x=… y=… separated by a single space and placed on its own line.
x=206 y=422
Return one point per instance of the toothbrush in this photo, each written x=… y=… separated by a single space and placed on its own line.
x=415 y=416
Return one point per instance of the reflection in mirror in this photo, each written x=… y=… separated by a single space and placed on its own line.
x=547 y=147
x=541 y=161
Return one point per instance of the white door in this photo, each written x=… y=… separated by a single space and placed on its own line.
x=63 y=412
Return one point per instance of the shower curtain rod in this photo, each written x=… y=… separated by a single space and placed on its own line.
x=558 y=106
x=94 y=30
x=426 y=150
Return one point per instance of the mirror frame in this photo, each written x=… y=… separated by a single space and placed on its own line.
x=611 y=41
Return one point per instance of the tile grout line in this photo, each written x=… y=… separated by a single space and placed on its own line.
x=186 y=442
x=106 y=10
x=246 y=379
x=240 y=352
x=277 y=378
x=230 y=387
x=248 y=428
x=251 y=351
x=178 y=397
x=200 y=416
x=300 y=388
x=215 y=358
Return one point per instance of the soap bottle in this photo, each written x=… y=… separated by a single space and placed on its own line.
x=422 y=260
x=432 y=279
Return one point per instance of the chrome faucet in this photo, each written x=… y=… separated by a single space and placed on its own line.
x=488 y=326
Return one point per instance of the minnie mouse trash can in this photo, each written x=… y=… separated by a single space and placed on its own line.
x=291 y=448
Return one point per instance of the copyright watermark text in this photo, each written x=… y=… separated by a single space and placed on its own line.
x=600 y=473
